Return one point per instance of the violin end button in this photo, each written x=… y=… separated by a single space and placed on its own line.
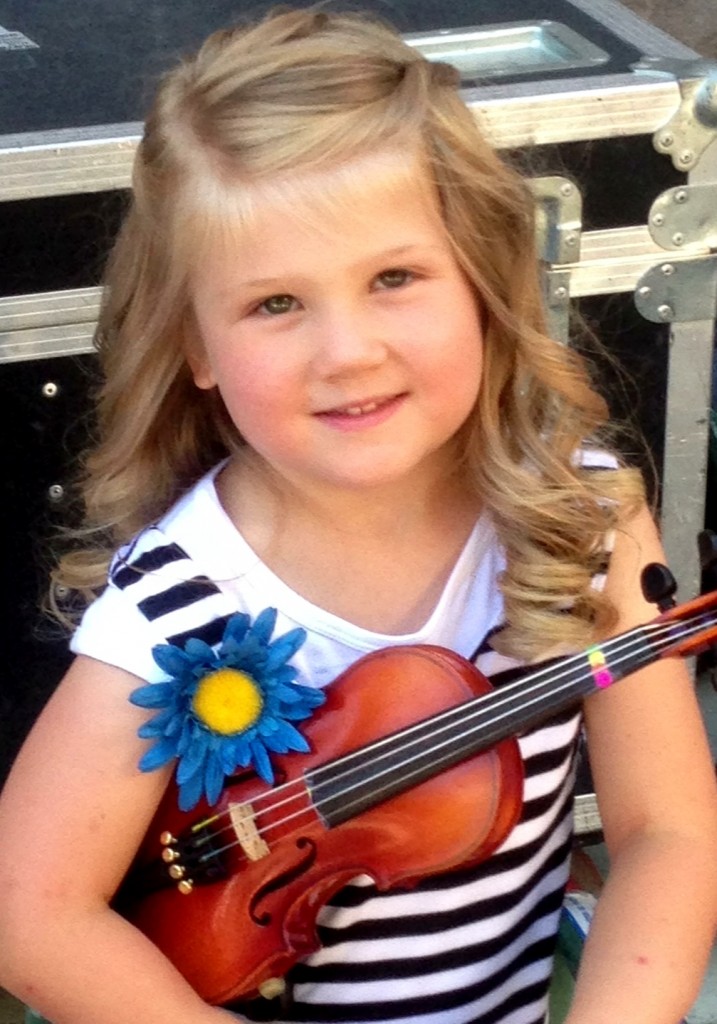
x=272 y=987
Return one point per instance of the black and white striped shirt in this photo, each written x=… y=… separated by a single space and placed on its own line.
x=473 y=945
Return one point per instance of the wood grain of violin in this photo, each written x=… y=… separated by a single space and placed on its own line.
x=413 y=770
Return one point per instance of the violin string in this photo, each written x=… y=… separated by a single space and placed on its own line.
x=505 y=695
x=623 y=645
x=449 y=743
x=499 y=697
x=666 y=630
x=670 y=631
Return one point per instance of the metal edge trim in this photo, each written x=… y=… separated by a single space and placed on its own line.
x=89 y=134
x=46 y=309
x=509 y=121
x=634 y=29
x=575 y=116
x=46 y=343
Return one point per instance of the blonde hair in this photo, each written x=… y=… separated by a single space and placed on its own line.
x=300 y=93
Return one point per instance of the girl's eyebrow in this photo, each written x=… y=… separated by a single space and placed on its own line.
x=396 y=252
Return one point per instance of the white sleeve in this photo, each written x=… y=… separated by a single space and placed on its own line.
x=114 y=631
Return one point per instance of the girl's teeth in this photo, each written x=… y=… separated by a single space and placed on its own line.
x=360 y=410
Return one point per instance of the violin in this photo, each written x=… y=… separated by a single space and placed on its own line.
x=408 y=735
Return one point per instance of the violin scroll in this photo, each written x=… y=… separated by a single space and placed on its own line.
x=707 y=545
x=659 y=585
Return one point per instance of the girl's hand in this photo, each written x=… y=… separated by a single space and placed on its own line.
x=655 y=781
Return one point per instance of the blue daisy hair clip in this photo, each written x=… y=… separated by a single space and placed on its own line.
x=225 y=709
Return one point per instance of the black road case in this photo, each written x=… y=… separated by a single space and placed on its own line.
x=614 y=120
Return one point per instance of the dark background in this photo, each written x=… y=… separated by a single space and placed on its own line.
x=98 y=62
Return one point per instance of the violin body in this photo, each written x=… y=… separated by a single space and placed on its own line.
x=230 y=935
x=413 y=770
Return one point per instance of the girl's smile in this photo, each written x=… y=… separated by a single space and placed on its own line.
x=343 y=336
x=361 y=415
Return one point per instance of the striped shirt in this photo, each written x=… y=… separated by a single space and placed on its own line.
x=471 y=945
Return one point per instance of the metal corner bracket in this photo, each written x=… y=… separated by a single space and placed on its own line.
x=693 y=126
x=679 y=292
x=685 y=216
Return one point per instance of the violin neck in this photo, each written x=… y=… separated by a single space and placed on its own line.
x=352 y=784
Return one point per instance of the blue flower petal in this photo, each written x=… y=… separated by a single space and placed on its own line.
x=200 y=653
x=288 y=694
x=231 y=753
x=243 y=758
x=174 y=725
x=261 y=762
x=188 y=729
x=284 y=647
x=276 y=745
x=313 y=697
x=290 y=736
x=213 y=780
x=285 y=674
x=149 y=730
x=159 y=724
x=155 y=695
x=236 y=628
x=190 y=792
x=263 y=627
x=266 y=726
x=193 y=760
x=171 y=659
x=158 y=755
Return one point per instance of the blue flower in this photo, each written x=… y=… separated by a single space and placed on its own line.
x=225 y=709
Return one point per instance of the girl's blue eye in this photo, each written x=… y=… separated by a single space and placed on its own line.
x=394 y=278
x=275 y=305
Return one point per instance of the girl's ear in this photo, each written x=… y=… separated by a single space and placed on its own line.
x=200 y=368
x=196 y=357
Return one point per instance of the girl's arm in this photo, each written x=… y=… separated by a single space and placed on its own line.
x=655 y=921
x=72 y=815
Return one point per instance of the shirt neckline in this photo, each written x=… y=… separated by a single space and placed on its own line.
x=224 y=554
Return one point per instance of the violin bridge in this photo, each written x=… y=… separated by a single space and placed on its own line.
x=244 y=825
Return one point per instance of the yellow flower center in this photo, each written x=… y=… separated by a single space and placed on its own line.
x=227 y=701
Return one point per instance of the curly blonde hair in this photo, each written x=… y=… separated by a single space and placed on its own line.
x=303 y=92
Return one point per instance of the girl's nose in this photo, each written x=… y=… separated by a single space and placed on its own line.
x=349 y=343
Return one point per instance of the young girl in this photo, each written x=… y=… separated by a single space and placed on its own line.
x=329 y=392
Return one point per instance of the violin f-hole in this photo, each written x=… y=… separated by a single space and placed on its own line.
x=264 y=918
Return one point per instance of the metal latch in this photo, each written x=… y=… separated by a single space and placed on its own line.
x=693 y=127
x=679 y=292
x=686 y=215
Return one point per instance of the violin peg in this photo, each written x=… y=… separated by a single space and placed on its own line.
x=707 y=545
x=658 y=586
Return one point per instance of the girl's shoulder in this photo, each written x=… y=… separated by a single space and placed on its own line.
x=194 y=530
x=158 y=581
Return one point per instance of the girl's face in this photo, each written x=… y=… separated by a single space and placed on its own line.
x=346 y=346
